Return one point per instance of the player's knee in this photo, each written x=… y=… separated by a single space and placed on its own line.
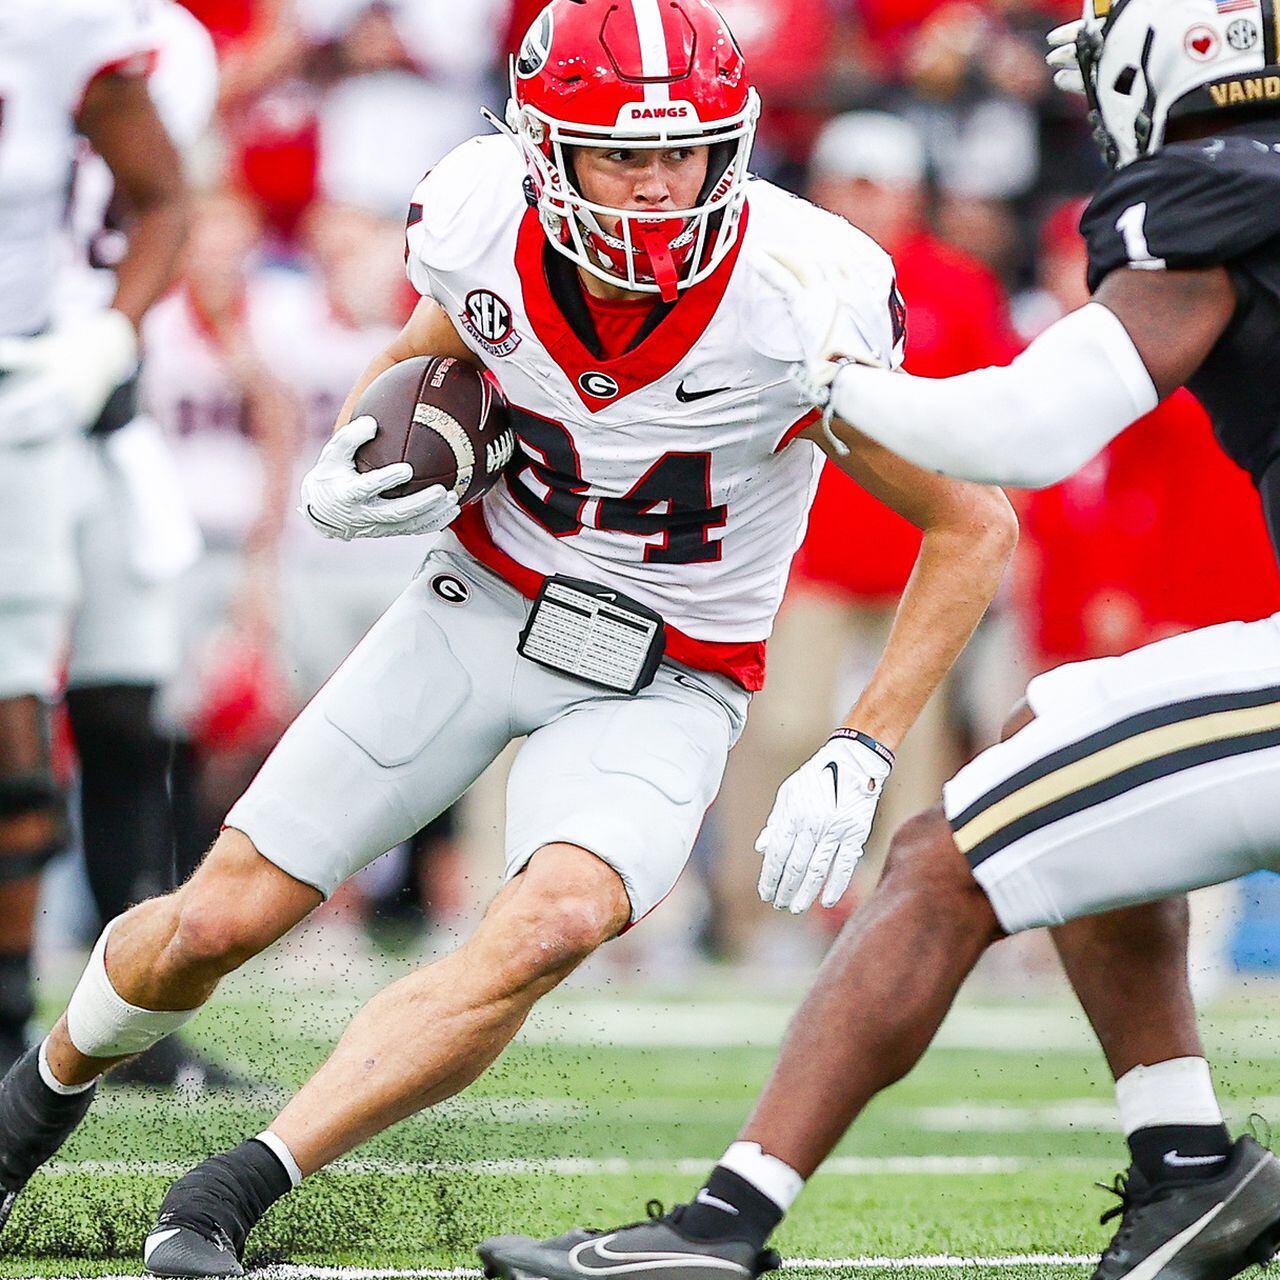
x=1019 y=718
x=33 y=823
x=923 y=858
x=235 y=906
x=569 y=903
x=209 y=937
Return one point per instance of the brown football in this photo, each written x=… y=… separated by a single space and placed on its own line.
x=448 y=421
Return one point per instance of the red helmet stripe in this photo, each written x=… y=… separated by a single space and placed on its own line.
x=655 y=62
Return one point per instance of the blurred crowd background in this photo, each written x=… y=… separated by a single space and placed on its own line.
x=931 y=124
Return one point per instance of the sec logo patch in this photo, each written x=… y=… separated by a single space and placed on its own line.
x=1242 y=34
x=599 y=385
x=450 y=589
x=488 y=319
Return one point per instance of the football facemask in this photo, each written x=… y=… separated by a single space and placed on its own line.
x=634 y=75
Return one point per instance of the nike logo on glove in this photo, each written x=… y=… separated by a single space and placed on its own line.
x=835 y=778
x=1176 y=1161
x=688 y=397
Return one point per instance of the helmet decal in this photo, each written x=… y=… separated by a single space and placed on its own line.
x=1145 y=63
x=536 y=47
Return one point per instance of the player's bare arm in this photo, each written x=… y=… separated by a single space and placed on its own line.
x=822 y=817
x=970 y=532
x=120 y=121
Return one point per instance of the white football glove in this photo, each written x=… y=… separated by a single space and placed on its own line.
x=58 y=383
x=819 y=824
x=1062 y=58
x=343 y=503
x=829 y=340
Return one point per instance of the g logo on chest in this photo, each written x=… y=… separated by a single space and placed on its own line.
x=599 y=385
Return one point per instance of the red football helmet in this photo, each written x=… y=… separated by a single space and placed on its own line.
x=639 y=74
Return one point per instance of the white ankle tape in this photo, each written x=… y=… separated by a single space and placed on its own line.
x=1178 y=1091
x=280 y=1149
x=103 y=1025
x=46 y=1074
x=769 y=1175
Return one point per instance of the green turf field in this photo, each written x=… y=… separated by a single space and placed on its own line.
x=983 y=1157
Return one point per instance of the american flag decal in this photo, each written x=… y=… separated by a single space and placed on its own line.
x=1234 y=6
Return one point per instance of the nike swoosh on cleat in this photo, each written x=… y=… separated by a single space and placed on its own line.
x=1177 y=1161
x=607 y=1262
x=1154 y=1263
x=835 y=778
x=157 y=1238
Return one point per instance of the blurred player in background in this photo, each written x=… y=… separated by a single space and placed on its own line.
x=134 y=535
x=667 y=462
x=233 y=428
x=67 y=67
x=1121 y=781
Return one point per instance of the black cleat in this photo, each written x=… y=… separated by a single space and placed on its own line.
x=1209 y=1229
x=642 y=1249
x=183 y=1251
x=34 y=1123
x=208 y=1213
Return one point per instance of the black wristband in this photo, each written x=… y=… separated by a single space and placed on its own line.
x=869 y=742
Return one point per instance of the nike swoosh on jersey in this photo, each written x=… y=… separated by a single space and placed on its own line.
x=688 y=397
x=594 y=1257
x=835 y=777
x=1186 y=1162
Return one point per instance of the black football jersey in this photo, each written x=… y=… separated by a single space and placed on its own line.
x=1214 y=202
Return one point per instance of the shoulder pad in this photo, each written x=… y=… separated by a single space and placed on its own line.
x=834 y=255
x=461 y=206
x=1192 y=205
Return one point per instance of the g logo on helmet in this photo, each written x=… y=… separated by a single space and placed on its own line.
x=536 y=48
x=598 y=385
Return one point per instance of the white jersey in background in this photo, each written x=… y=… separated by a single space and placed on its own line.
x=668 y=472
x=50 y=51
x=188 y=387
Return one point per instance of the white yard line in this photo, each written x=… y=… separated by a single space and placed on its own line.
x=921 y=1262
x=572 y=1166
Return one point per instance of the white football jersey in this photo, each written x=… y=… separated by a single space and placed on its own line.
x=50 y=51
x=668 y=472
x=187 y=385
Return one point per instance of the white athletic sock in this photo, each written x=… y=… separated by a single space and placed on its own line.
x=280 y=1149
x=769 y=1175
x=46 y=1074
x=1179 y=1091
x=101 y=1024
